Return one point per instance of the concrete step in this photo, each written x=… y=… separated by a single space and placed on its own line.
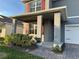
x=46 y=44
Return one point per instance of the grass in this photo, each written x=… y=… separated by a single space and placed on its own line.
x=16 y=54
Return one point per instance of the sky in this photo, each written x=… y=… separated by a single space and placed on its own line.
x=11 y=7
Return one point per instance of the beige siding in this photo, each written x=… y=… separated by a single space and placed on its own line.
x=19 y=29
x=9 y=29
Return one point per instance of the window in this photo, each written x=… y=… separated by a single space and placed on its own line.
x=35 y=5
x=32 y=6
x=33 y=28
x=38 y=5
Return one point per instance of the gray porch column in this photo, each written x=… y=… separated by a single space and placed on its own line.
x=39 y=26
x=14 y=26
x=57 y=27
x=57 y=33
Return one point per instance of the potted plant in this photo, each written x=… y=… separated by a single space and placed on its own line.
x=58 y=48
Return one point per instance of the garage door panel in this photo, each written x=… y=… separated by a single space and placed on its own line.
x=72 y=34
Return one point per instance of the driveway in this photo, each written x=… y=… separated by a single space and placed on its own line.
x=71 y=52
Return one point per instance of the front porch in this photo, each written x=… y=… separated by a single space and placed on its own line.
x=47 y=25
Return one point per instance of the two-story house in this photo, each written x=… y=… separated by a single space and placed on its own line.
x=54 y=21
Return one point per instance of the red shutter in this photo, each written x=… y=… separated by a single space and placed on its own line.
x=42 y=4
x=27 y=7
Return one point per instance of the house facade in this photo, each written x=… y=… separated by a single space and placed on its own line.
x=8 y=26
x=54 y=21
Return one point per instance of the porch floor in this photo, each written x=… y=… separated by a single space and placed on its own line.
x=71 y=52
x=46 y=44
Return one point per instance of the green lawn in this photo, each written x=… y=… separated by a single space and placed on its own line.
x=16 y=54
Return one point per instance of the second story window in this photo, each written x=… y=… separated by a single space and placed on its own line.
x=35 y=5
x=32 y=6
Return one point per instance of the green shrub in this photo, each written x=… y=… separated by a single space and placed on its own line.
x=38 y=39
x=1 y=40
x=21 y=40
x=32 y=42
x=7 y=39
x=16 y=39
x=26 y=40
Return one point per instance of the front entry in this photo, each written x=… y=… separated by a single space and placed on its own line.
x=53 y=30
x=52 y=19
x=49 y=30
x=33 y=29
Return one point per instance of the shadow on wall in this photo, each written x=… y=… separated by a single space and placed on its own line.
x=49 y=30
x=63 y=32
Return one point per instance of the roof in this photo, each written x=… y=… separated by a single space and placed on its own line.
x=5 y=19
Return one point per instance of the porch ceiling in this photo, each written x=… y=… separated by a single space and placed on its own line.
x=32 y=16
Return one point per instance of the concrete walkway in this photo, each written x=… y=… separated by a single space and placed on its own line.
x=71 y=52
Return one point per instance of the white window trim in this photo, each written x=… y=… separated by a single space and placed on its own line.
x=35 y=7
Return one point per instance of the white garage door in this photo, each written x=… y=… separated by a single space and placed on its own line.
x=72 y=33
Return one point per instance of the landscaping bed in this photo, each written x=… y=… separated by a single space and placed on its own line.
x=14 y=47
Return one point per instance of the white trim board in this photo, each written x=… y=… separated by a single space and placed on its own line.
x=69 y=25
x=73 y=17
